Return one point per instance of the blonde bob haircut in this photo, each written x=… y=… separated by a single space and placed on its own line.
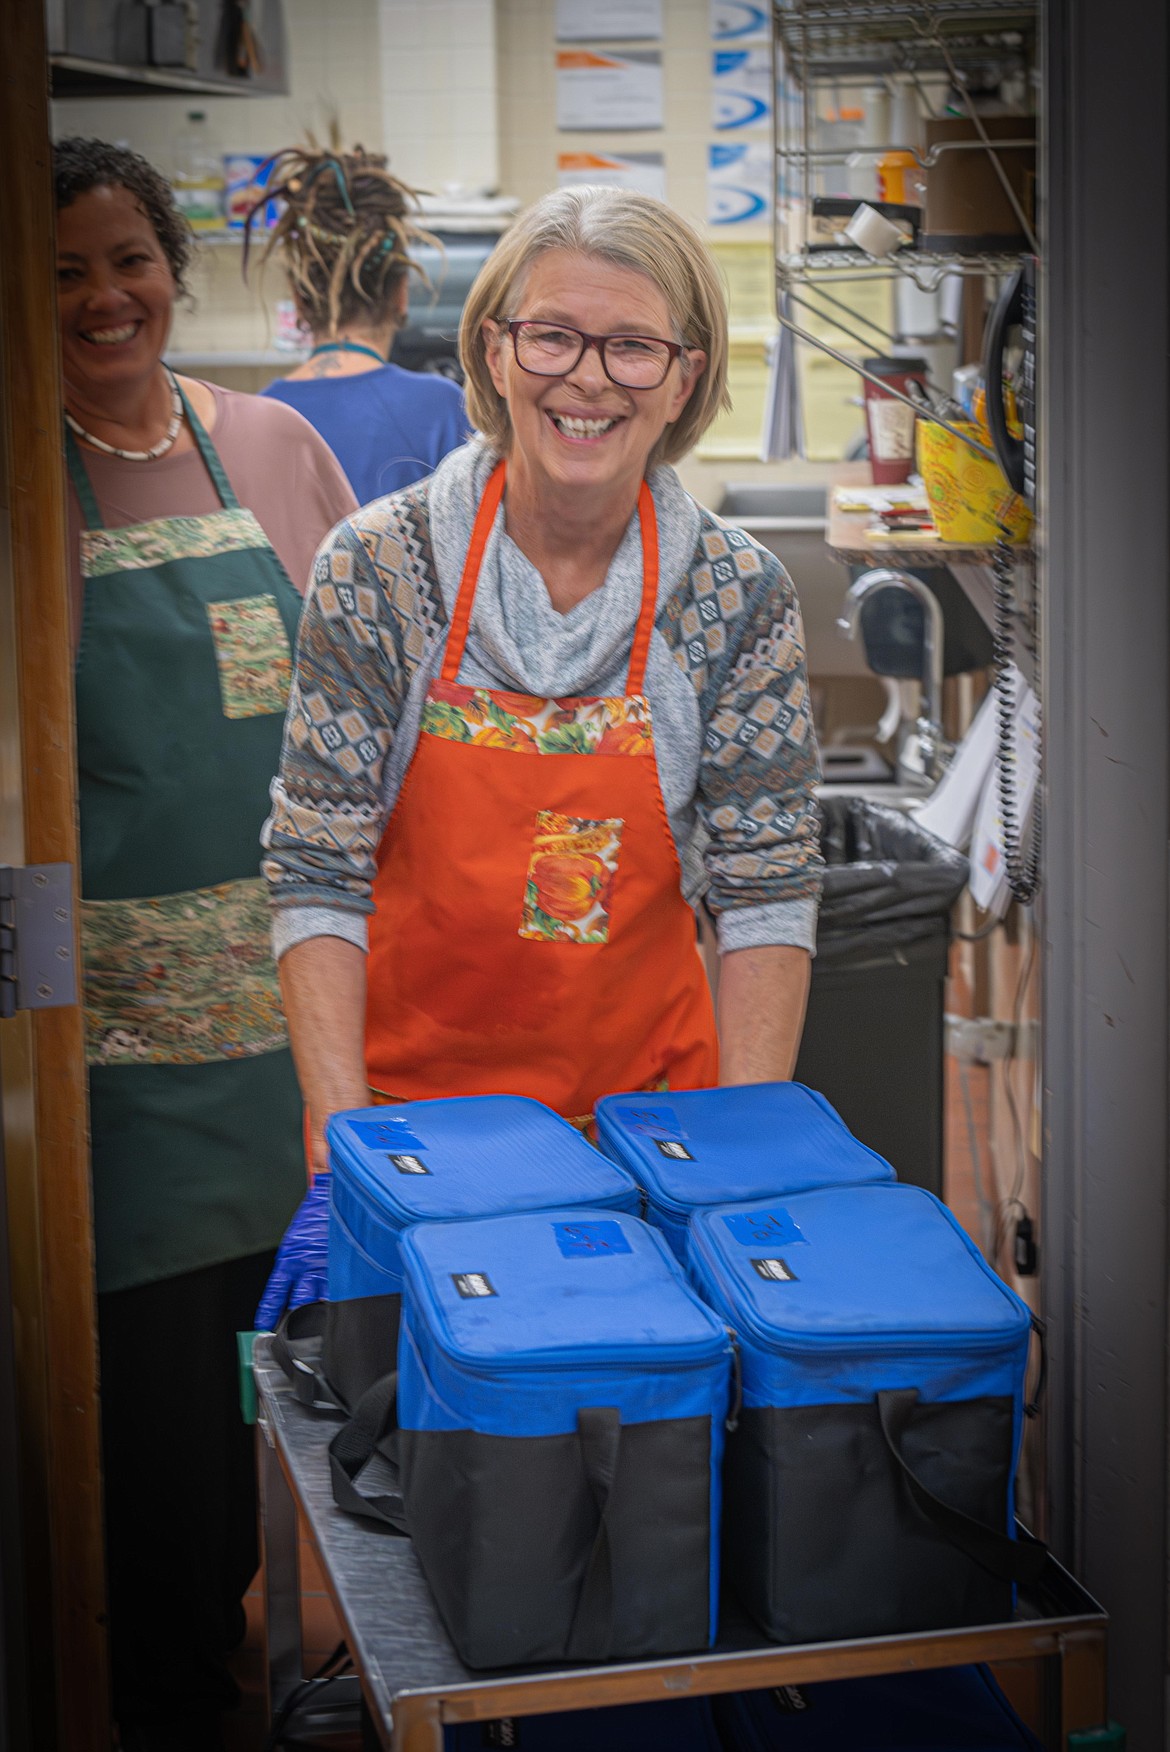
x=629 y=231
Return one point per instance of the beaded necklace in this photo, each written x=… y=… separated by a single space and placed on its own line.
x=156 y=450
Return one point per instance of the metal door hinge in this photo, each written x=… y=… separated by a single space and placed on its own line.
x=37 y=966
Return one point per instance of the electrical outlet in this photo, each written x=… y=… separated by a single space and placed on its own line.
x=981 y=1040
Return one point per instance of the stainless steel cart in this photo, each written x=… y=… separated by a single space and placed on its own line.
x=413 y=1682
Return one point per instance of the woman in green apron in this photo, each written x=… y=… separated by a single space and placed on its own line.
x=185 y=636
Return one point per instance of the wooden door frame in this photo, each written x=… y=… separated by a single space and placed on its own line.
x=42 y=1056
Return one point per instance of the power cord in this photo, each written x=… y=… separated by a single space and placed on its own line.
x=1024 y=1250
x=335 y=1666
x=1022 y=871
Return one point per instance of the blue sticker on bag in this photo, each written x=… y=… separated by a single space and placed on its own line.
x=659 y=1123
x=764 y=1228
x=590 y=1240
x=390 y=1134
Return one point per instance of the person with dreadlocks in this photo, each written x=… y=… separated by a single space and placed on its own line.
x=344 y=238
x=194 y=514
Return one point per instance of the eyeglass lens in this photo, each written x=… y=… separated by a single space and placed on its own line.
x=634 y=361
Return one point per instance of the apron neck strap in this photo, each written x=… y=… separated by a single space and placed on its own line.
x=485 y=518
x=87 y=498
x=210 y=455
x=640 y=651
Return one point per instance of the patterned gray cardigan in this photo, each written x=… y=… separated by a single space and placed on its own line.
x=374 y=620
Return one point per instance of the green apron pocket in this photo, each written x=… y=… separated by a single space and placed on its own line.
x=181 y=978
x=252 y=650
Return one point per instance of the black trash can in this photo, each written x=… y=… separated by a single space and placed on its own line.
x=873 y=1037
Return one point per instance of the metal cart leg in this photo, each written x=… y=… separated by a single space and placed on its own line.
x=282 y=1576
x=1083 y=1691
x=418 y=1725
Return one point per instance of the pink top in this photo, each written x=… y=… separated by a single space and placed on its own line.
x=280 y=468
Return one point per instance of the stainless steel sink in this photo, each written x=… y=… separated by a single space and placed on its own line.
x=770 y=500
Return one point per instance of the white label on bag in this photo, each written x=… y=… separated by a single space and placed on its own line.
x=472 y=1283
x=409 y=1165
x=671 y=1148
x=776 y=1271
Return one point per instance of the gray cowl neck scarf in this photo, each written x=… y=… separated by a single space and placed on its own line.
x=518 y=640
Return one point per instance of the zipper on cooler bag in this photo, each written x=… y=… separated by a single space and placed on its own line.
x=848 y=1343
x=731 y=1423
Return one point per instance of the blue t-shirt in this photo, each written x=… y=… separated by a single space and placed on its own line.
x=387 y=427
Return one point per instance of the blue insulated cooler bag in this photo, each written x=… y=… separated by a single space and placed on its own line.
x=952 y=1709
x=869 y=1482
x=424 y=1161
x=561 y=1400
x=682 y=1724
x=699 y=1147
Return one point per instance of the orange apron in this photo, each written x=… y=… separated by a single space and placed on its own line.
x=530 y=936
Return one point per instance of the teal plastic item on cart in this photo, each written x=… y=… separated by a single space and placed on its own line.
x=248 y=1407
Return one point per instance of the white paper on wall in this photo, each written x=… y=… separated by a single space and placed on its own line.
x=741 y=88
x=739 y=182
x=950 y=810
x=644 y=172
x=585 y=21
x=734 y=21
x=601 y=89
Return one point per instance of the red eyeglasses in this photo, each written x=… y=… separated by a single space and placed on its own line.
x=553 y=349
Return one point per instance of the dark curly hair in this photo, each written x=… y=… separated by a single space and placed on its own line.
x=81 y=165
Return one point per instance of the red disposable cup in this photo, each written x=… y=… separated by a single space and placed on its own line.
x=889 y=422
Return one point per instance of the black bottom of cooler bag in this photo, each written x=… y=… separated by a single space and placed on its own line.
x=332 y=1352
x=360 y=1344
x=823 y=1538
x=524 y=1565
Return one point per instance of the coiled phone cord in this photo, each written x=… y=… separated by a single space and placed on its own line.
x=1021 y=869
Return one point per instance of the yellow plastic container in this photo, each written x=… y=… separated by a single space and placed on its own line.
x=969 y=495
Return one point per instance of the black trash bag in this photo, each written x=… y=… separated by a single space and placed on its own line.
x=888 y=882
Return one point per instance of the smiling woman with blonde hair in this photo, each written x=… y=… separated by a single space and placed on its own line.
x=595 y=693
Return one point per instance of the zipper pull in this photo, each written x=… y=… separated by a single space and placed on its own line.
x=732 y=1423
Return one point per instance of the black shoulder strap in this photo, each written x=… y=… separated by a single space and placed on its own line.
x=599 y=1432
x=296 y=1346
x=370 y=1431
x=1012 y=1560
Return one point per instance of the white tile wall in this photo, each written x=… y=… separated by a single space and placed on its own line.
x=439 y=91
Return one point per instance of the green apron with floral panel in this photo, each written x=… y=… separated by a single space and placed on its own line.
x=183 y=672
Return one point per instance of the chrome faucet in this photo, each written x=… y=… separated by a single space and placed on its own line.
x=933 y=748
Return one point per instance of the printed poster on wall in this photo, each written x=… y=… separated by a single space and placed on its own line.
x=735 y=21
x=739 y=182
x=597 y=88
x=644 y=172
x=741 y=88
x=586 y=21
